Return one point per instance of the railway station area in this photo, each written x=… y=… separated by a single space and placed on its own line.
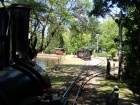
x=69 y=52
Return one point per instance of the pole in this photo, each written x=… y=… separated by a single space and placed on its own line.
x=120 y=47
x=97 y=36
x=97 y=48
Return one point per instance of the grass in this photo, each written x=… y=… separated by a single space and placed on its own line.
x=100 y=54
x=125 y=94
x=64 y=74
x=68 y=72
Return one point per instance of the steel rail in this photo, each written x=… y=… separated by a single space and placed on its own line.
x=83 y=79
x=73 y=83
x=77 y=80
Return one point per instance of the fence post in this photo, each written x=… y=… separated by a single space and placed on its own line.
x=112 y=98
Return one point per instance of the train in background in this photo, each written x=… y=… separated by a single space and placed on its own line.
x=20 y=78
x=84 y=54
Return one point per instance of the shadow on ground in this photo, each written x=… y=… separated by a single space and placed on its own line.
x=93 y=94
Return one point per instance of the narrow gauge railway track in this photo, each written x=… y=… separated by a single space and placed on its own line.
x=82 y=79
x=75 y=88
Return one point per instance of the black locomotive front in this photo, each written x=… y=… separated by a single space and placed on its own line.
x=20 y=78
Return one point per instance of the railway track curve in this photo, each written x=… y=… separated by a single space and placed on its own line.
x=72 y=94
x=87 y=73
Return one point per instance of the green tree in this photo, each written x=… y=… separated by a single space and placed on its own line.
x=109 y=31
x=74 y=41
x=78 y=37
x=57 y=14
x=132 y=42
x=57 y=42
x=49 y=16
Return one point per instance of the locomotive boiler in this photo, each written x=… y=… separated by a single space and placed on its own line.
x=20 y=78
x=84 y=54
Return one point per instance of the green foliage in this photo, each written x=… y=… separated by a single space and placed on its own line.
x=109 y=31
x=103 y=54
x=50 y=19
x=56 y=42
x=50 y=16
x=131 y=44
x=74 y=41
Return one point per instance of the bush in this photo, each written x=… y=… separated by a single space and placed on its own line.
x=100 y=54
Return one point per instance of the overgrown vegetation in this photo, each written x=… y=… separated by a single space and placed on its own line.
x=67 y=24
x=131 y=45
x=126 y=96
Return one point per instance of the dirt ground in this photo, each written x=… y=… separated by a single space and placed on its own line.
x=64 y=73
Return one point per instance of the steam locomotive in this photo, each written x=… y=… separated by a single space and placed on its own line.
x=84 y=54
x=20 y=78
